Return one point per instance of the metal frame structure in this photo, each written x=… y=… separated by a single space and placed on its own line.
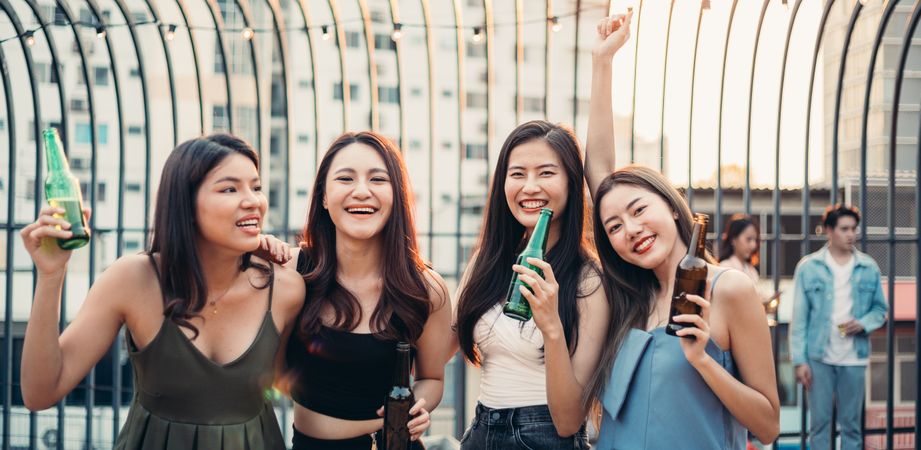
x=282 y=35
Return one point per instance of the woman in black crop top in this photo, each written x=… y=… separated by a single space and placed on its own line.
x=367 y=288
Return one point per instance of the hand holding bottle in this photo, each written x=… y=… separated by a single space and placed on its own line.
x=695 y=350
x=40 y=239
x=543 y=296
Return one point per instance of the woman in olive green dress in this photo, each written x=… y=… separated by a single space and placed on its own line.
x=204 y=317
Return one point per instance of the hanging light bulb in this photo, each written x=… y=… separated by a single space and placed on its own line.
x=477 y=34
x=248 y=33
x=397 y=31
x=100 y=31
x=705 y=5
x=170 y=32
x=786 y=6
x=30 y=38
x=325 y=30
x=555 y=24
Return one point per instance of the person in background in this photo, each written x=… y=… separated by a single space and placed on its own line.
x=838 y=301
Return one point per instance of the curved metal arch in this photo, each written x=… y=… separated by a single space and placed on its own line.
x=804 y=224
x=247 y=14
x=636 y=64
x=56 y=66
x=746 y=192
x=874 y=51
x=129 y=20
x=519 y=60
x=839 y=89
x=346 y=87
x=718 y=220
x=909 y=32
x=775 y=259
x=490 y=76
x=308 y=25
x=281 y=39
x=547 y=72
x=668 y=36
x=8 y=270
x=36 y=107
x=460 y=419
x=575 y=66
x=373 y=94
x=218 y=20
x=198 y=81
x=401 y=93
x=689 y=193
x=430 y=68
x=155 y=13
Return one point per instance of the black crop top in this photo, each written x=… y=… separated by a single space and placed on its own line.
x=341 y=374
x=338 y=373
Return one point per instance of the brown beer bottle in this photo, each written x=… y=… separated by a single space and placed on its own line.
x=691 y=276
x=399 y=401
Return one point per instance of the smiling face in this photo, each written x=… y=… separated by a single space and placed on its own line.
x=745 y=244
x=230 y=205
x=359 y=192
x=640 y=225
x=535 y=179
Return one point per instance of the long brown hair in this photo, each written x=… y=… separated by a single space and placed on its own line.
x=629 y=288
x=182 y=281
x=502 y=237
x=404 y=304
x=738 y=223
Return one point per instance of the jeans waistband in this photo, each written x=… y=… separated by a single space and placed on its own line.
x=513 y=416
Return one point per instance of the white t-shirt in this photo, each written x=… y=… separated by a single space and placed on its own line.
x=513 y=373
x=840 y=350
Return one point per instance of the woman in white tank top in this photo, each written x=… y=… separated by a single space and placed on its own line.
x=532 y=393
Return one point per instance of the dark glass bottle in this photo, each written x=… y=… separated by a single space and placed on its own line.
x=62 y=190
x=691 y=276
x=399 y=401
x=516 y=306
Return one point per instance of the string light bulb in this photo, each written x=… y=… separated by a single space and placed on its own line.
x=397 y=31
x=555 y=24
x=30 y=38
x=477 y=34
x=248 y=33
x=100 y=31
x=325 y=30
x=786 y=6
x=705 y=5
x=170 y=32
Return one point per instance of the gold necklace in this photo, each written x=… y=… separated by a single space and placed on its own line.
x=213 y=303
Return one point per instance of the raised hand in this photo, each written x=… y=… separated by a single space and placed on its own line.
x=40 y=237
x=612 y=33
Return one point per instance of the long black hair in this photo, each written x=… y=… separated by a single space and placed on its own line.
x=181 y=278
x=738 y=223
x=404 y=304
x=630 y=289
x=502 y=237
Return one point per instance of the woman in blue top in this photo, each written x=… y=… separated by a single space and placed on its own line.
x=700 y=391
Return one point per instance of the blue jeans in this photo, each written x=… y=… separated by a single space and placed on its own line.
x=841 y=384
x=526 y=428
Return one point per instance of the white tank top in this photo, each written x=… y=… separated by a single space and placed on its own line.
x=513 y=373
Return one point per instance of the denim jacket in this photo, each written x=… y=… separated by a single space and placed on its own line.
x=814 y=299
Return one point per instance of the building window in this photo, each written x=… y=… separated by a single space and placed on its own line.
x=383 y=42
x=135 y=129
x=218 y=117
x=101 y=76
x=337 y=91
x=388 y=94
x=475 y=151
x=476 y=50
x=415 y=91
x=352 y=39
x=132 y=187
x=476 y=100
x=303 y=139
x=83 y=135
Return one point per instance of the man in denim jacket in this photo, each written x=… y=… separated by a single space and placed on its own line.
x=838 y=302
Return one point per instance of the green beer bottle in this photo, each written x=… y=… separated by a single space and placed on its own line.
x=516 y=305
x=62 y=190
